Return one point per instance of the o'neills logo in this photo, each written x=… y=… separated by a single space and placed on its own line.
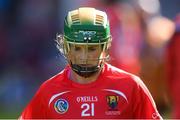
x=87 y=99
x=61 y=106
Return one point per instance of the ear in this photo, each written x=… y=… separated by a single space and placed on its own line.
x=109 y=42
x=108 y=46
x=68 y=58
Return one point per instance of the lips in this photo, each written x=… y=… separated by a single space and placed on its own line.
x=85 y=65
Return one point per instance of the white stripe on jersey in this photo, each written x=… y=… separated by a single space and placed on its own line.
x=56 y=95
x=117 y=92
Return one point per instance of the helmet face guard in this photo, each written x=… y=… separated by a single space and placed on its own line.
x=76 y=64
x=87 y=27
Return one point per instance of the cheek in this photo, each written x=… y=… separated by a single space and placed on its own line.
x=75 y=57
x=71 y=56
x=95 y=54
x=92 y=55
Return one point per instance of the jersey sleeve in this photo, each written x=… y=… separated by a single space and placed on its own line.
x=36 y=108
x=144 y=106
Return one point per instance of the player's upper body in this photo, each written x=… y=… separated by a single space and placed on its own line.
x=89 y=88
x=115 y=94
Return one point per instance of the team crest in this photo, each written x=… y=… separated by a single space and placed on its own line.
x=61 y=106
x=112 y=101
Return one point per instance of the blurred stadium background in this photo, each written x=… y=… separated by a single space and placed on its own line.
x=28 y=55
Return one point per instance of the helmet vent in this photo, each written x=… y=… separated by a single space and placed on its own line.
x=99 y=20
x=75 y=19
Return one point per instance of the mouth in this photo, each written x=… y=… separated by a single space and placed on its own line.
x=85 y=65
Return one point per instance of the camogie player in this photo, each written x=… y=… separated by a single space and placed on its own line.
x=88 y=87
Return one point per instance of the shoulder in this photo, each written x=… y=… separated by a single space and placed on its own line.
x=55 y=81
x=121 y=77
x=128 y=81
x=119 y=73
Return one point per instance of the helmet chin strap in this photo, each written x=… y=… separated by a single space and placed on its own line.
x=85 y=71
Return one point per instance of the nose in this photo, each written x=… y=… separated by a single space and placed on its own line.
x=83 y=56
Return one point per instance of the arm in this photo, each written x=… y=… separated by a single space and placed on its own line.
x=35 y=109
x=144 y=106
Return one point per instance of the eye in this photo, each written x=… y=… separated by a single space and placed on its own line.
x=91 y=49
x=77 y=48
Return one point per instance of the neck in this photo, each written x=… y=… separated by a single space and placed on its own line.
x=82 y=80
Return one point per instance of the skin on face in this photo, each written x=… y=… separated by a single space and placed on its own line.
x=85 y=55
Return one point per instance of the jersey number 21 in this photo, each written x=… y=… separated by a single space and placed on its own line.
x=87 y=109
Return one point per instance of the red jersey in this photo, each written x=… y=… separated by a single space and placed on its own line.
x=115 y=94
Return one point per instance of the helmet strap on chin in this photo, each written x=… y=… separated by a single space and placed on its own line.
x=85 y=71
